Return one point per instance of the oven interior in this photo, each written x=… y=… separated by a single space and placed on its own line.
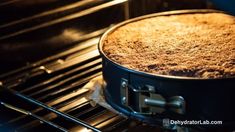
x=48 y=52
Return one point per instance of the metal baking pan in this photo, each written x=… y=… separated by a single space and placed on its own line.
x=152 y=97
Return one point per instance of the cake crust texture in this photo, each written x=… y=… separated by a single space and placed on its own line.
x=200 y=45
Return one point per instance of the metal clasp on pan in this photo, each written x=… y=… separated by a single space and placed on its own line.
x=149 y=102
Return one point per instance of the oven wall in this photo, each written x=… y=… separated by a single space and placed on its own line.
x=141 y=7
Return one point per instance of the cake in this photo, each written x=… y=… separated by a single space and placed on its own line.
x=200 y=45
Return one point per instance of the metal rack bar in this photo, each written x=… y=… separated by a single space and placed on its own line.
x=54 y=103
x=32 y=115
x=64 y=115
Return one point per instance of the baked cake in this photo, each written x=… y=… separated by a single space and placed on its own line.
x=200 y=45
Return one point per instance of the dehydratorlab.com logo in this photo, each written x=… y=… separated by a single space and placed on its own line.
x=167 y=122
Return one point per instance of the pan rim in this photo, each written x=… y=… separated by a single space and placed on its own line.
x=148 y=74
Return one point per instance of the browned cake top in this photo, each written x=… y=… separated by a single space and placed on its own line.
x=193 y=45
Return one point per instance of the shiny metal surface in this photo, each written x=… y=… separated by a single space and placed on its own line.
x=33 y=115
x=50 y=88
x=53 y=28
x=40 y=48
